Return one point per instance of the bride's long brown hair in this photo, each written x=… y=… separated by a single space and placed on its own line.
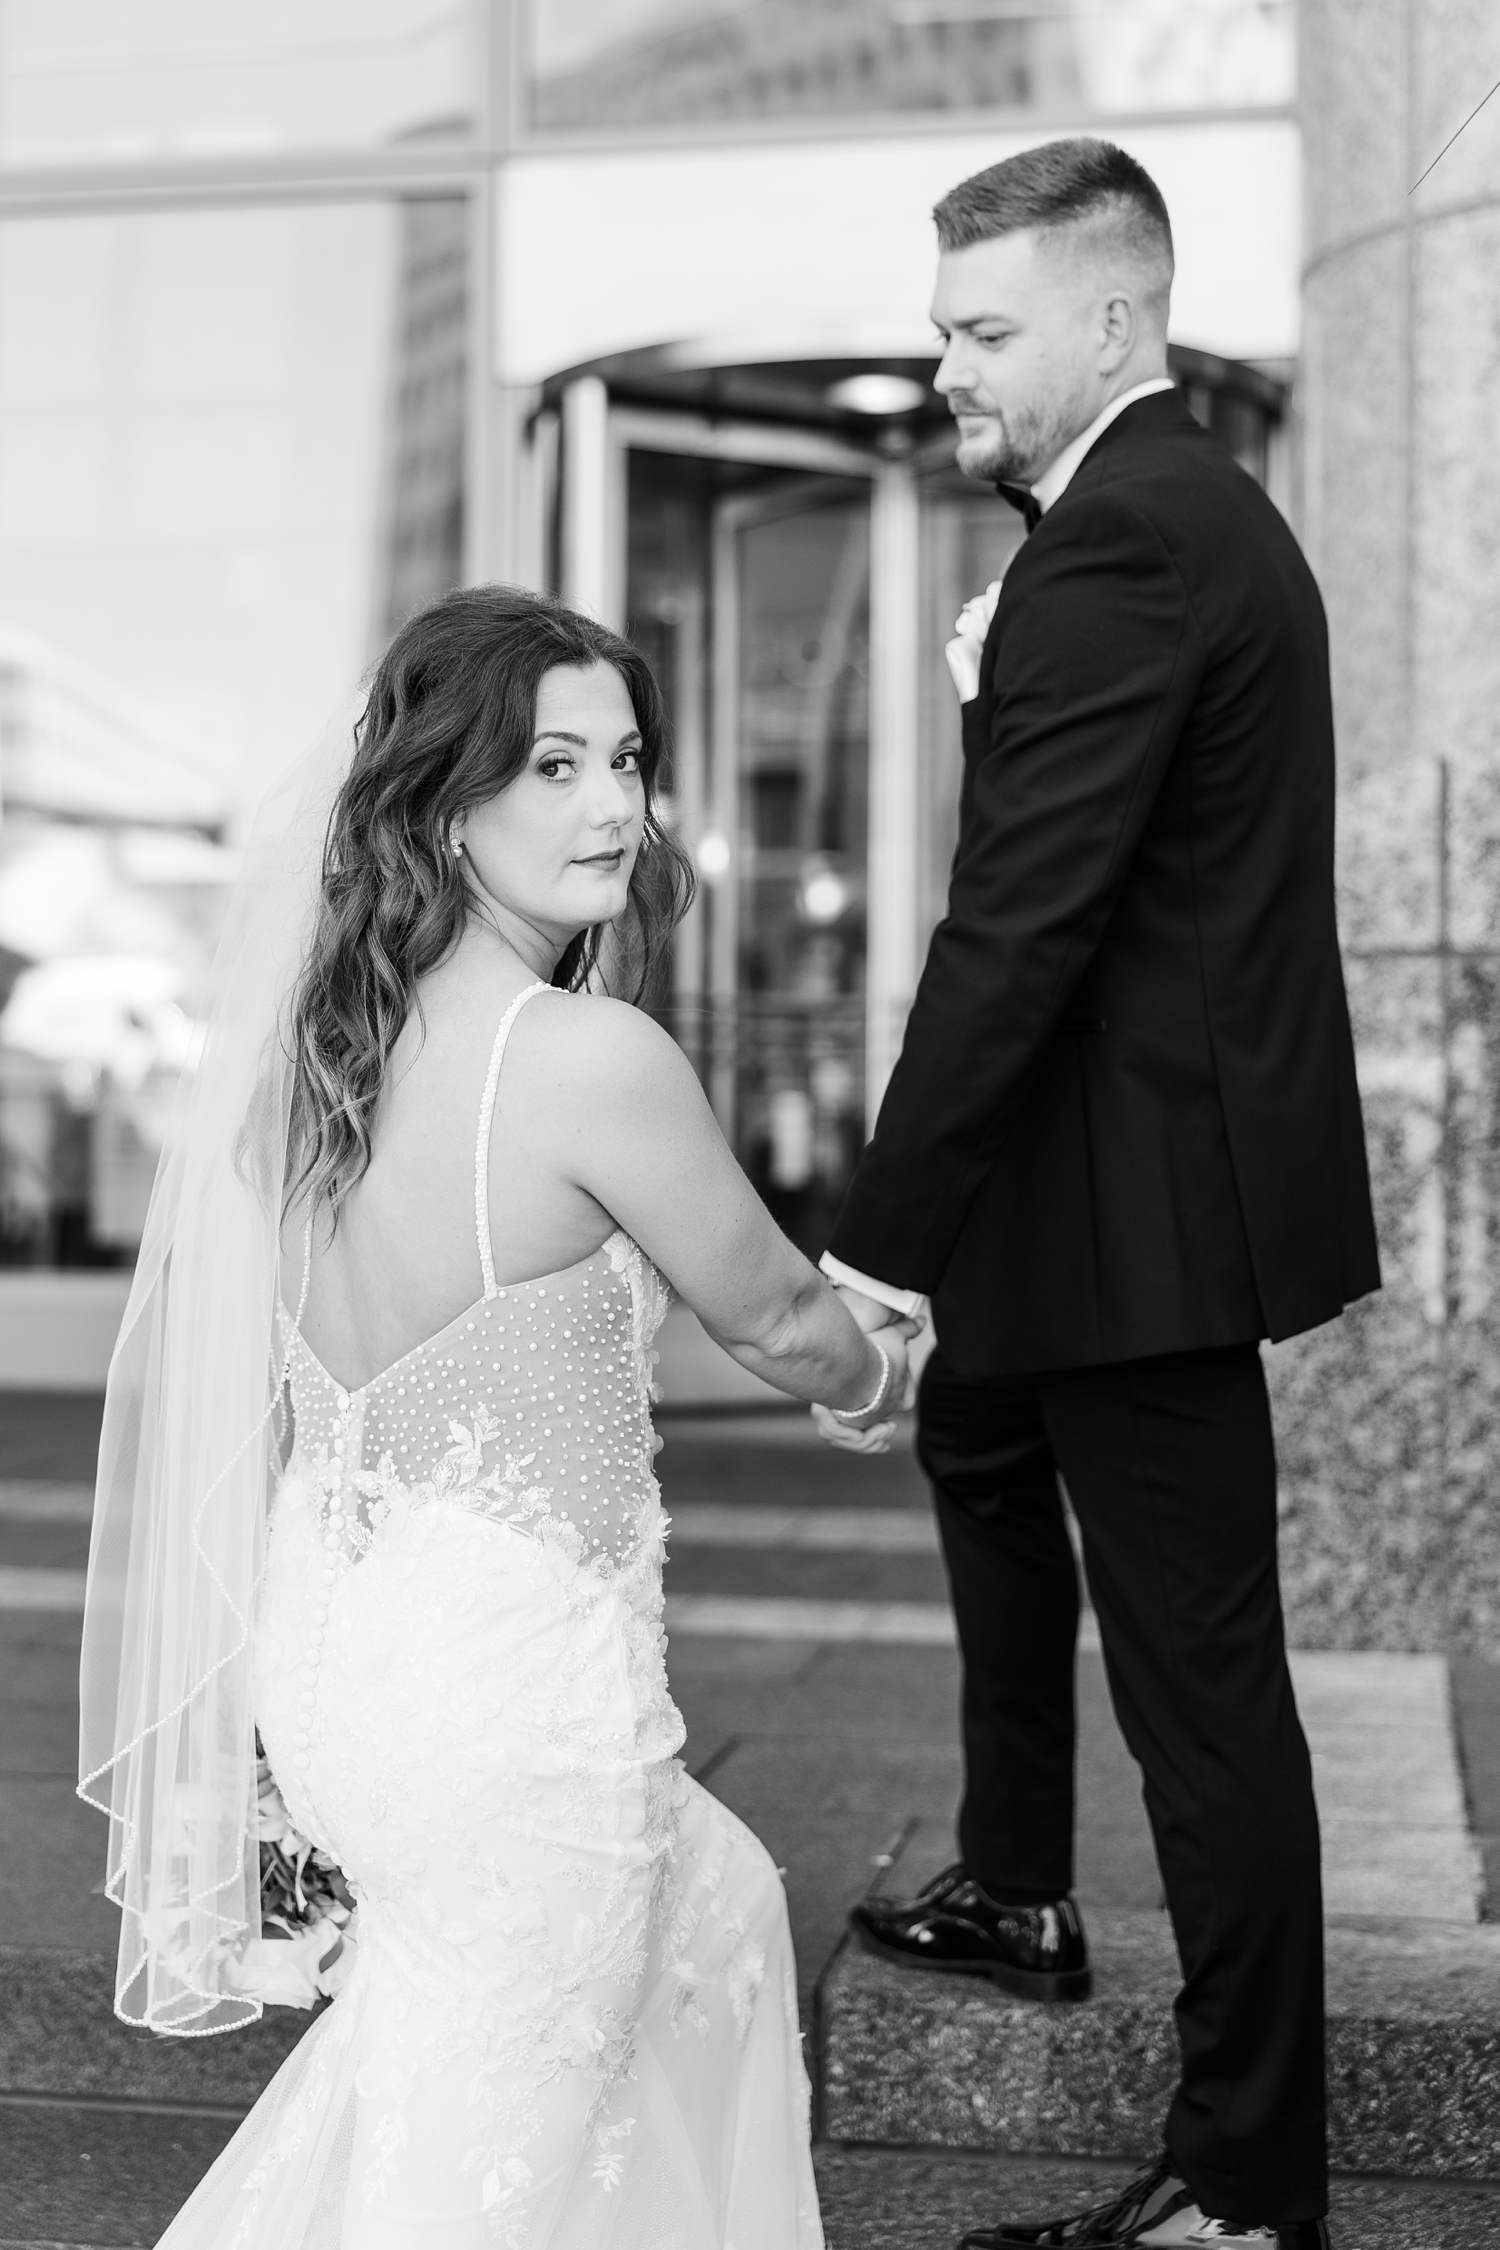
x=448 y=723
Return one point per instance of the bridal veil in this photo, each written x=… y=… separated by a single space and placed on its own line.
x=189 y=1447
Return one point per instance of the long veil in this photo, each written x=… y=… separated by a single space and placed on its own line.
x=188 y=1455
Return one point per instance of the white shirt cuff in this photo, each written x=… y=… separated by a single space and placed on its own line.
x=909 y=1302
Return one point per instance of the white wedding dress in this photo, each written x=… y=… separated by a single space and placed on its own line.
x=572 y=2020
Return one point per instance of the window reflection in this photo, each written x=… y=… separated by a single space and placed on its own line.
x=799 y=575
x=210 y=426
x=602 y=64
x=97 y=79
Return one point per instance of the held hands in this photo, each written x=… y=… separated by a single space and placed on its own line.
x=894 y=1335
x=971 y=631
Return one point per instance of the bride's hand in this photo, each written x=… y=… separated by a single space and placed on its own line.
x=893 y=1339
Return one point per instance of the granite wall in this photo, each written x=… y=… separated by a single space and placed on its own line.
x=1388 y=1420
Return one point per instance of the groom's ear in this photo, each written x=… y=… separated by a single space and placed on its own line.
x=1120 y=329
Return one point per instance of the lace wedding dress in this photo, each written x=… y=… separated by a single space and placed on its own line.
x=571 y=2024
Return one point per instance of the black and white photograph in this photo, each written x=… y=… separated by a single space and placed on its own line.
x=749 y=1125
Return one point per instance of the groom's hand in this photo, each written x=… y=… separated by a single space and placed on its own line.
x=872 y=1314
x=868 y=1313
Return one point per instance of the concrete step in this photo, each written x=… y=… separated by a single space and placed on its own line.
x=923 y=2199
x=926 y=2060
x=97 y=2176
x=80 y=2179
x=60 y=2038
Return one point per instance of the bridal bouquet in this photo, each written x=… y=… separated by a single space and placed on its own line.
x=308 y=1919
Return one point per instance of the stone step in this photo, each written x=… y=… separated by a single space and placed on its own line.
x=103 y=2128
x=97 y=2176
x=924 y=2199
x=82 y=2180
x=917 y=2059
x=60 y=2037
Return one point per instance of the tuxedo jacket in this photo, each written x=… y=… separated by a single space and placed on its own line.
x=1125 y=1119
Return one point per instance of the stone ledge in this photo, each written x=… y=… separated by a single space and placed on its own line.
x=932 y=2061
x=923 y=2199
x=59 y=2035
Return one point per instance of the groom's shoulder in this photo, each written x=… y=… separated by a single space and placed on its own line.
x=1184 y=479
x=1180 y=492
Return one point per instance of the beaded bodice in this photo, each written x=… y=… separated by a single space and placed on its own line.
x=534 y=1404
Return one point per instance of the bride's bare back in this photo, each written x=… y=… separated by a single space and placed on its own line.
x=403 y=1261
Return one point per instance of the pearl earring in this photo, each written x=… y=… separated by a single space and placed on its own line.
x=455 y=841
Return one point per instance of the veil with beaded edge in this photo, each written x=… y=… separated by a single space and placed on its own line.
x=187 y=1457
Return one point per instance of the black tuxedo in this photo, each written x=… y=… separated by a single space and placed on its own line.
x=1125 y=1120
x=1123 y=1143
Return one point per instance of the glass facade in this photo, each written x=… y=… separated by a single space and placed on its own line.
x=201 y=523
x=98 y=80
x=605 y=65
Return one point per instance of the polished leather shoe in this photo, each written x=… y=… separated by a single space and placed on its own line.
x=1036 y=1952
x=1154 y=2211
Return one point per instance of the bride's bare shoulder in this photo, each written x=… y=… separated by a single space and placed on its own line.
x=604 y=1049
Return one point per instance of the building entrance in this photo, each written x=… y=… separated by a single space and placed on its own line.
x=793 y=568
x=775 y=578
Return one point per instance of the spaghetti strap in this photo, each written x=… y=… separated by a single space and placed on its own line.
x=482 y=1145
x=293 y=1320
x=307 y=1239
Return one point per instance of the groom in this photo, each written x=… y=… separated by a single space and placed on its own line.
x=1122 y=1145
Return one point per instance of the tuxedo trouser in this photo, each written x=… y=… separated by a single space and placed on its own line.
x=1170 y=1467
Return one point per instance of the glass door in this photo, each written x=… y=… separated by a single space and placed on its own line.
x=772 y=575
x=790 y=778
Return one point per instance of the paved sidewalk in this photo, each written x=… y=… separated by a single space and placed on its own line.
x=814 y=1667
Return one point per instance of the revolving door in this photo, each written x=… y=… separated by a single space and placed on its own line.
x=793 y=570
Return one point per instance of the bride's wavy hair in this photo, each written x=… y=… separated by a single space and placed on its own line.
x=448 y=723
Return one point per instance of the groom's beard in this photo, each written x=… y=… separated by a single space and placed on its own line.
x=1018 y=445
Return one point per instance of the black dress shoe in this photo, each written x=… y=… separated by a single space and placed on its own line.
x=1036 y=1952
x=1156 y=2207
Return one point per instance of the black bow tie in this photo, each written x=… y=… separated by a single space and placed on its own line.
x=1022 y=499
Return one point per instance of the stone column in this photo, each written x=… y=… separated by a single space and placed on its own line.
x=1401 y=486
x=1387 y=1421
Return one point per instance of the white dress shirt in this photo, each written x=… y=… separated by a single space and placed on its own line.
x=1049 y=488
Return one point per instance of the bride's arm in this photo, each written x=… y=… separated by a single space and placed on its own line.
x=641 y=1139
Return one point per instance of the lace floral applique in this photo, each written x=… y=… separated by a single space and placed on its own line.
x=652 y=1523
x=744 y=1975
x=506 y=1495
x=688 y=1984
x=609 y=2158
x=388 y=2137
x=304 y=2111
x=596 y=2043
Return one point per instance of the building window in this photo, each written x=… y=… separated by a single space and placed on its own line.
x=659 y=63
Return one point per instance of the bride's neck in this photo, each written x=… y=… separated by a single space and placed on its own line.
x=492 y=925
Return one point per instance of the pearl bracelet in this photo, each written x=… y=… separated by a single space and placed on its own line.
x=858 y=1413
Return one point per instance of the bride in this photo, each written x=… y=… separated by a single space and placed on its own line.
x=376 y=1479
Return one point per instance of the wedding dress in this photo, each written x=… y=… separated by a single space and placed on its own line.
x=571 y=2023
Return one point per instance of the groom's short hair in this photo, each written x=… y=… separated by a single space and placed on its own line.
x=1083 y=183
